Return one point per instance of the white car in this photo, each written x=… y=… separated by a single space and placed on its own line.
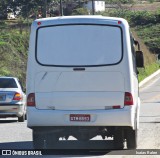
x=12 y=99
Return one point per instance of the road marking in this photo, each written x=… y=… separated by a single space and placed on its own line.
x=149 y=84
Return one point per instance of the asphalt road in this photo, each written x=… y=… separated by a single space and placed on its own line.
x=15 y=135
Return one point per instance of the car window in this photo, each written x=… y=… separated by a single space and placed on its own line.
x=8 y=83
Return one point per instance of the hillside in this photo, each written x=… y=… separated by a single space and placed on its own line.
x=14 y=38
x=145 y=26
x=13 y=51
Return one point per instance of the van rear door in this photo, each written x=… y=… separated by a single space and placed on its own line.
x=76 y=59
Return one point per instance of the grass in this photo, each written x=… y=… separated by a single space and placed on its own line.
x=13 y=53
x=14 y=38
x=148 y=70
x=145 y=29
x=150 y=35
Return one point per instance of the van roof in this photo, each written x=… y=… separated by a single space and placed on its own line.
x=80 y=19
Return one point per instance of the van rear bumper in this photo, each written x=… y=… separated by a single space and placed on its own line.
x=114 y=117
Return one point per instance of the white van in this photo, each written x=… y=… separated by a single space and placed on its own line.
x=82 y=80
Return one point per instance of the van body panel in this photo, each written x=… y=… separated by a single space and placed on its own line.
x=79 y=100
x=79 y=90
x=61 y=91
x=116 y=117
x=79 y=81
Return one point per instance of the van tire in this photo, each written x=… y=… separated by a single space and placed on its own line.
x=38 y=140
x=25 y=116
x=21 y=118
x=118 y=139
x=131 y=138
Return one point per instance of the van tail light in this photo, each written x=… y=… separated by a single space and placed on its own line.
x=17 y=97
x=128 y=99
x=31 y=99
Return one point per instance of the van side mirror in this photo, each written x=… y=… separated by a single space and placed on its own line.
x=139 y=59
x=137 y=44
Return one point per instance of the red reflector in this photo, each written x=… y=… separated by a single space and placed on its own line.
x=39 y=23
x=31 y=100
x=119 y=22
x=116 y=107
x=128 y=99
x=17 y=96
x=14 y=108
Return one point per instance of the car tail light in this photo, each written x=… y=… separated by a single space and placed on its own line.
x=128 y=99
x=17 y=96
x=31 y=99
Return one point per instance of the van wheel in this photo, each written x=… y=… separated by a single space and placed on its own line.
x=119 y=139
x=131 y=138
x=21 y=118
x=51 y=139
x=38 y=140
x=25 y=116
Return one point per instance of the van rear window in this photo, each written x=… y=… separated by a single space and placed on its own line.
x=79 y=45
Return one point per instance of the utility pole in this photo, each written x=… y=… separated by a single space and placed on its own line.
x=93 y=12
x=61 y=8
x=44 y=9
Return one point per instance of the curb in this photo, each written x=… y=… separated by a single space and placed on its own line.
x=149 y=78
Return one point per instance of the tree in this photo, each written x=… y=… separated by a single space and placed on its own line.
x=120 y=1
x=30 y=8
x=3 y=8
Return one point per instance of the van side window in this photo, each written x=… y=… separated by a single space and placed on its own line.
x=133 y=54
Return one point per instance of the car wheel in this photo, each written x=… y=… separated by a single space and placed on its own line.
x=118 y=139
x=131 y=138
x=21 y=118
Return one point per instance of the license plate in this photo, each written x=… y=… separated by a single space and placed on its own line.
x=80 y=117
x=2 y=97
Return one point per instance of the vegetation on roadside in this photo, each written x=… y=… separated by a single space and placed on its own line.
x=145 y=26
x=14 y=39
x=13 y=52
x=148 y=70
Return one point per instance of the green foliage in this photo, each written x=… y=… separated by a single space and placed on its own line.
x=4 y=72
x=143 y=18
x=151 y=1
x=120 y=1
x=3 y=9
x=2 y=24
x=24 y=7
x=13 y=53
x=136 y=17
x=148 y=70
x=151 y=36
x=146 y=24
x=80 y=11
